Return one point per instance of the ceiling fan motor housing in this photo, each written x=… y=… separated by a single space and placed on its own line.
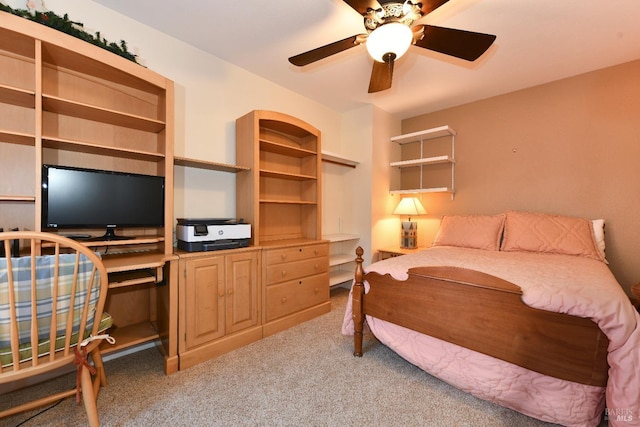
x=402 y=12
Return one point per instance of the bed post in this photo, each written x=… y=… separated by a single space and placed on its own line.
x=357 y=294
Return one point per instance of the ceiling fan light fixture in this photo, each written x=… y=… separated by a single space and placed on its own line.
x=393 y=37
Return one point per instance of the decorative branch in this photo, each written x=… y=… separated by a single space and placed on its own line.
x=75 y=29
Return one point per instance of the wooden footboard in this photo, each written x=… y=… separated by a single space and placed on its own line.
x=485 y=314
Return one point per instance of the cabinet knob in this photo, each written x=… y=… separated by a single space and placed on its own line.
x=316 y=266
x=221 y=294
x=230 y=292
x=284 y=273
x=316 y=290
x=284 y=300
x=284 y=256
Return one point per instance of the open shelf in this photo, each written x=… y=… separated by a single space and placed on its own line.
x=420 y=160
x=287 y=150
x=337 y=159
x=340 y=237
x=284 y=175
x=17 y=96
x=203 y=164
x=422 y=135
x=288 y=202
x=98 y=114
x=131 y=335
x=9 y=198
x=423 y=190
x=92 y=148
x=17 y=138
x=425 y=161
x=131 y=278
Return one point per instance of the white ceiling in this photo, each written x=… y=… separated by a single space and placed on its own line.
x=537 y=41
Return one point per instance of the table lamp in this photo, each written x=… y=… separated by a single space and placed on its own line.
x=409 y=234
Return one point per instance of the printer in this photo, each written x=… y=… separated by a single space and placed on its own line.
x=211 y=234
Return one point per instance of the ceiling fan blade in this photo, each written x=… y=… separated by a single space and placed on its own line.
x=429 y=6
x=361 y=6
x=382 y=74
x=322 y=52
x=459 y=43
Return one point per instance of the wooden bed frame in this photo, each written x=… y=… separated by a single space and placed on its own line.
x=482 y=313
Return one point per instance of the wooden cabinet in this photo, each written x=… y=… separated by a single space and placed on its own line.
x=66 y=102
x=296 y=284
x=428 y=161
x=219 y=303
x=279 y=195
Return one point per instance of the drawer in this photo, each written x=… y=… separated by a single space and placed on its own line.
x=295 y=295
x=294 y=270
x=296 y=253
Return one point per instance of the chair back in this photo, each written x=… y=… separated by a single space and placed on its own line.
x=51 y=298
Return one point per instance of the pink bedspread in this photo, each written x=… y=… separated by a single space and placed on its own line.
x=560 y=283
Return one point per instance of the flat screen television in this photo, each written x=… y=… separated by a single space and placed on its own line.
x=78 y=198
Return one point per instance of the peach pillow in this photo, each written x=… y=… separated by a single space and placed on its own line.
x=471 y=231
x=554 y=234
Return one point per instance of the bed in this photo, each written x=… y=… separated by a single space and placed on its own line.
x=519 y=309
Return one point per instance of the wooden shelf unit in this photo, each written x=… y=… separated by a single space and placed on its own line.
x=279 y=195
x=66 y=102
x=279 y=192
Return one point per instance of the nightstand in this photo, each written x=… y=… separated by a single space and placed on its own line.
x=394 y=252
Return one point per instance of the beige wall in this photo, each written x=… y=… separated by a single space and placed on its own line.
x=569 y=147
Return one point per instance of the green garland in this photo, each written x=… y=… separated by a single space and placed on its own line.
x=63 y=24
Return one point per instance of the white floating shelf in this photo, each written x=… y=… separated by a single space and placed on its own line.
x=423 y=190
x=424 y=135
x=340 y=237
x=425 y=161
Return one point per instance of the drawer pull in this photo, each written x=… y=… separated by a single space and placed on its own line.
x=221 y=294
x=284 y=273
x=316 y=290
x=316 y=266
x=284 y=256
x=230 y=292
x=284 y=300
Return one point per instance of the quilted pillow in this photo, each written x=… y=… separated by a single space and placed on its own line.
x=554 y=234
x=471 y=231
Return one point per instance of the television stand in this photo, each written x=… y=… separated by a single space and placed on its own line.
x=110 y=234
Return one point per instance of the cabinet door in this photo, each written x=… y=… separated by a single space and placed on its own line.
x=242 y=289
x=205 y=296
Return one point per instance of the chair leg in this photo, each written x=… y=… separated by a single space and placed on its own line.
x=90 y=404
x=96 y=356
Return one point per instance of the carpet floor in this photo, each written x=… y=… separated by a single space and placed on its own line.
x=303 y=376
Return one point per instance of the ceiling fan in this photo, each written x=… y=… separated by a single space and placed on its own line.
x=390 y=33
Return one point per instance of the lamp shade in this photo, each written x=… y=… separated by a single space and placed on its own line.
x=393 y=37
x=410 y=206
